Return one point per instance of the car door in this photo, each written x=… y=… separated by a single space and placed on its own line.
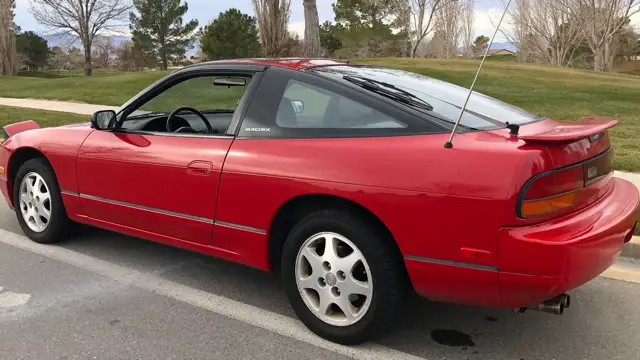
x=141 y=179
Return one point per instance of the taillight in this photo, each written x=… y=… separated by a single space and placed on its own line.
x=560 y=189
x=552 y=192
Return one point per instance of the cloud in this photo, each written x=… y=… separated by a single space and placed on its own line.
x=486 y=21
x=635 y=20
x=297 y=27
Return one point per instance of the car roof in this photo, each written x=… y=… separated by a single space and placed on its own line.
x=290 y=63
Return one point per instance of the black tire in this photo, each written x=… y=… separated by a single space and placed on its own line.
x=387 y=273
x=59 y=226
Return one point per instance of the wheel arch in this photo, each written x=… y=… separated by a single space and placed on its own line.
x=296 y=208
x=17 y=158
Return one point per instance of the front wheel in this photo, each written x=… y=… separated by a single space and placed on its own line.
x=38 y=203
x=341 y=277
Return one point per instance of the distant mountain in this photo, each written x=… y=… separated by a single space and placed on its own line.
x=74 y=41
x=504 y=45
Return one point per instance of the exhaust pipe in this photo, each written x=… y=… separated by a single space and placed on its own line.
x=555 y=305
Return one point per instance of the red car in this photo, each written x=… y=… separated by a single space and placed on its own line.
x=337 y=176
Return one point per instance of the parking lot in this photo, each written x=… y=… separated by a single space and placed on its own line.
x=105 y=296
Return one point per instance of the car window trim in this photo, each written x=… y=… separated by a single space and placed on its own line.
x=160 y=133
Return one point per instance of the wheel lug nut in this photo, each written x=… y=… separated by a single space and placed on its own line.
x=335 y=291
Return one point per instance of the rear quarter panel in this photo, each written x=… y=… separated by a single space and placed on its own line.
x=436 y=202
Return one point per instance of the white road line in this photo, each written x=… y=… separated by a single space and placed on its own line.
x=267 y=320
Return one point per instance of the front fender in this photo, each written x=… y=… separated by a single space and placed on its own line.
x=59 y=145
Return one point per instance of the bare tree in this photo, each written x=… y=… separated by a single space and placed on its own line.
x=104 y=50
x=516 y=30
x=628 y=43
x=57 y=59
x=467 y=27
x=547 y=30
x=311 y=29
x=447 y=22
x=600 y=21
x=8 y=61
x=402 y=14
x=84 y=18
x=273 y=18
x=422 y=13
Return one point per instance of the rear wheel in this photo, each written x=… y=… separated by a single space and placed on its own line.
x=38 y=203
x=341 y=277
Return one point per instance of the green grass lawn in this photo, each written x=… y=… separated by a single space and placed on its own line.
x=560 y=93
x=103 y=90
x=10 y=115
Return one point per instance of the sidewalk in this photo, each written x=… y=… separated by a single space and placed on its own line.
x=65 y=106
x=632 y=177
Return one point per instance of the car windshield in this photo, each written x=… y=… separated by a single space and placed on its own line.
x=482 y=112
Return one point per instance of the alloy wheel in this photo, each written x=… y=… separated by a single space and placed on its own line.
x=35 y=202
x=334 y=279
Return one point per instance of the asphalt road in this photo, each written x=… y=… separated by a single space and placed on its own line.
x=105 y=296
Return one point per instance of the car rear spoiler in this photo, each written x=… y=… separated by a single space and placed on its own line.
x=567 y=131
x=16 y=128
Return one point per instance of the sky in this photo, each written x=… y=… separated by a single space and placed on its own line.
x=207 y=10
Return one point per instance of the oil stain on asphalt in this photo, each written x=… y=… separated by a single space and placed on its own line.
x=452 y=338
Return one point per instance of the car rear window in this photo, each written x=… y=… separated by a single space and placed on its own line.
x=447 y=99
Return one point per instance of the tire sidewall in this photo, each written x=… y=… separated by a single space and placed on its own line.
x=58 y=213
x=367 y=326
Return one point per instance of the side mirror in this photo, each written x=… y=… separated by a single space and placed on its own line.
x=103 y=119
x=298 y=106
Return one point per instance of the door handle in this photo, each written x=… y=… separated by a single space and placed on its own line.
x=199 y=167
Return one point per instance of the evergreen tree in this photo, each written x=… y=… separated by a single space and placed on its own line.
x=33 y=48
x=159 y=31
x=231 y=35
x=330 y=37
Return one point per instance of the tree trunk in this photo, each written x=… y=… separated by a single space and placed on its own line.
x=88 y=70
x=7 y=41
x=415 y=49
x=597 y=59
x=164 y=60
x=311 y=29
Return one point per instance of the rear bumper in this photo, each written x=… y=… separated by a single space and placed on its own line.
x=536 y=262
x=540 y=261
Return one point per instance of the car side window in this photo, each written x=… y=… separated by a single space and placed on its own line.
x=303 y=105
x=215 y=98
x=198 y=93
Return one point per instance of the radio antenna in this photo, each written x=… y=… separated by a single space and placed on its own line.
x=449 y=144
